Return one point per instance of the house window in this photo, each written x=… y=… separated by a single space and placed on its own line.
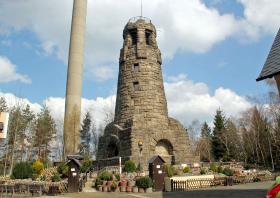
x=136 y=86
x=136 y=67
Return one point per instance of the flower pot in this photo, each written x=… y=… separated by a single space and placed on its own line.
x=128 y=189
x=109 y=183
x=131 y=183
x=141 y=190
x=105 y=188
x=100 y=188
x=123 y=188
x=135 y=189
x=149 y=190
x=123 y=183
x=104 y=183
x=117 y=189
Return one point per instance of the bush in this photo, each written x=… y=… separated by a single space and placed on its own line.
x=186 y=169
x=98 y=182
x=38 y=166
x=129 y=166
x=202 y=171
x=62 y=169
x=144 y=182
x=213 y=167
x=228 y=172
x=56 y=177
x=86 y=165
x=22 y=170
x=170 y=170
x=118 y=177
x=105 y=176
x=220 y=169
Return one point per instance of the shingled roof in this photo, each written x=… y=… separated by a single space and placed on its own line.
x=272 y=64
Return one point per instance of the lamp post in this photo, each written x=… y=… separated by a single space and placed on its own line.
x=140 y=145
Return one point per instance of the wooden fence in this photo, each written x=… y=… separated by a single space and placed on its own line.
x=195 y=184
x=192 y=184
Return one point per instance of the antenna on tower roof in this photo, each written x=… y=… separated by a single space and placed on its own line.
x=141 y=8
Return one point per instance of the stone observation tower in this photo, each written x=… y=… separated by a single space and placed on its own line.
x=75 y=79
x=141 y=128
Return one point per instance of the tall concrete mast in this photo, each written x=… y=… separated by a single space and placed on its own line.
x=74 y=79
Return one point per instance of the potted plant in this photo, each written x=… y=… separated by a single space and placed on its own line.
x=135 y=189
x=144 y=183
x=129 y=189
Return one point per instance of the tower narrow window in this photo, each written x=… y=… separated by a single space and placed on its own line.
x=148 y=34
x=136 y=67
x=136 y=86
x=133 y=34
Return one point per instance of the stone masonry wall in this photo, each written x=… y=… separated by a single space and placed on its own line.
x=141 y=108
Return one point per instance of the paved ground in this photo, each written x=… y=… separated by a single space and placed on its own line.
x=253 y=190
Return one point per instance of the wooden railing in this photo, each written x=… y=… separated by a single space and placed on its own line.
x=192 y=184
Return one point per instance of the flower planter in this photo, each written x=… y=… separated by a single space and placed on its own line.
x=104 y=183
x=128 y=189
x=100 y=188
x=123 y=188
x=117 y=189
x=109 y=183
x=135 y=189
x=141 y=190
x=149 y=190
x=105 y=189
x=123 y=183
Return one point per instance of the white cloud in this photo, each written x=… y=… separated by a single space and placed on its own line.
x=8 y=72
x=183 y=25
x=196 y=103
x=193 y=103
x=260 y=17
x=15 y=101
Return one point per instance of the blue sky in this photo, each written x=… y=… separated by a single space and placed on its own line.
x=217 y=43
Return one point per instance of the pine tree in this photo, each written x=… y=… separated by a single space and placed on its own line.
x=3 y=105
x=85 y=134
x=218 y=148
x=45 y=129
x=205 y=131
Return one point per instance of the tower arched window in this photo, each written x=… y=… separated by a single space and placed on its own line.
x=136 y=86
x=133 y=34
x=148 y=35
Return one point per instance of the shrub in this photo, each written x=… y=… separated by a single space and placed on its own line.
x=86 y=165
x=22 y=170
x=186 y=169
x=144 y=182
x=38 y=166
x=202 y=171
x=247 y=167
x=220 y=169
x=98 y=182
x=228 y=172
x=62 y=169
x=129 y=166
x=170 y=170
x=105 y=176
x=56 y=177
x=118 y=177
x=213 y=167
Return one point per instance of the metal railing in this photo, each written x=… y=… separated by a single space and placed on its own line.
x=135 y=19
